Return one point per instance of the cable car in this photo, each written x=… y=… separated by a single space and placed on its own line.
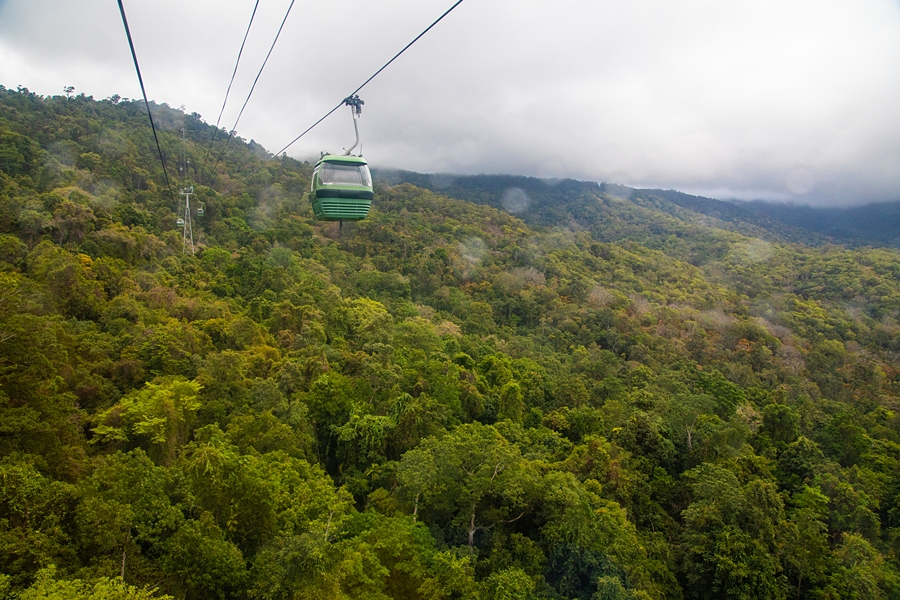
x=179 y=222
x=200 y=210
x=341 y=186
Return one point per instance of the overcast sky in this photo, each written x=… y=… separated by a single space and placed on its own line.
x=795 y=100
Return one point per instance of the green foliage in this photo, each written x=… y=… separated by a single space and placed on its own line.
x=34 y=514
x=731 y=536
x=48 y=588
x=161 y=415
x=609 y=397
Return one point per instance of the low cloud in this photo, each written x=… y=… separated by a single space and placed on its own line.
x=763 y=99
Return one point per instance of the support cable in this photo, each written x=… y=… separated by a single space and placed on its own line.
x=345 y=100
x=253 y=87
x=144 y=91
x=228 y=91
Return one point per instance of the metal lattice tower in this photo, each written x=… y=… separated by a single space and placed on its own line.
x=187 y=233
x=187 y=236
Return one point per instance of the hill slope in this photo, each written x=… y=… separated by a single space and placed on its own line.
x=604 y=398
x=872 y=225
x=559 y=202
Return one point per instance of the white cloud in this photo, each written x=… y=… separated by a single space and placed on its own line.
x=790 y=100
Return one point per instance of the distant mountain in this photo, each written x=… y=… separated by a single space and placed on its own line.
x=869 y=225
x=682 y=226
x=589 y=205
x=542 y=202
x=740 y=216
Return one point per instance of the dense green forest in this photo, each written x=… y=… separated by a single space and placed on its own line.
x=527 y=389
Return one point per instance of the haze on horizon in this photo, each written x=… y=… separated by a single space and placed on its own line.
x=791 y=101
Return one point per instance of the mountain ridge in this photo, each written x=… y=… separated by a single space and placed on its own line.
x=869 y=225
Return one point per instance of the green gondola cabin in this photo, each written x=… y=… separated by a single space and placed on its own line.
x=341 y=188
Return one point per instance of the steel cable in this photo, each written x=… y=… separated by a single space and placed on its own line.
x=144 y=92
x=253 y=87
x=353 y=93
x=230 y=83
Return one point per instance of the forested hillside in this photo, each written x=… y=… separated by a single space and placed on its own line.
x=872 y=224
x=560 y=201
x=604 y=400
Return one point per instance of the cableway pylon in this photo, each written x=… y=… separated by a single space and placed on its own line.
x=187 y=235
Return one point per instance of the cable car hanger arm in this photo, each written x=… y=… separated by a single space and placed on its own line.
x=355 y=103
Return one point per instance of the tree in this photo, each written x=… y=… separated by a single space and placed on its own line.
x=34 y=512
x=253 y=498
x=798 y=463
x=730 y=536
x=508 y=584
x=781 y=423
x=207 y=565
x=481 y=479
x=48 y=588
x=159 y=414
x=591 y=538
x=860 y=573
x=69 y=279
x=126 y=509
x=807 y=555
